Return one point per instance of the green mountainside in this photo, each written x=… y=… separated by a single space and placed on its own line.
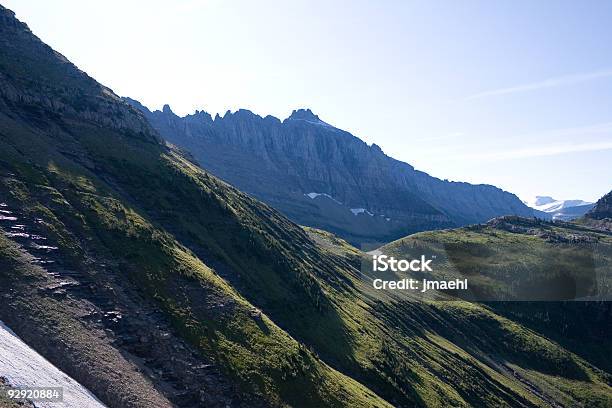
x=547 y=345
x=155 y=284
x=513 y=258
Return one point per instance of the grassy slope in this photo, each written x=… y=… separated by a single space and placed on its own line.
x=141 y=201
x=79 y=207
x=560 y=347
x=106 y=189
x=161 y=218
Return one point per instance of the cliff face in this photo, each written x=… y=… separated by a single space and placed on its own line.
x=325 y=177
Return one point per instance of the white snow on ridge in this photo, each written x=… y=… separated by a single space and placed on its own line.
x=22 y=366
x=357 y=211
x=549 y=204
x=315 y=195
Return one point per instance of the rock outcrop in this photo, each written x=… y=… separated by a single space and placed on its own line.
x=52 y=84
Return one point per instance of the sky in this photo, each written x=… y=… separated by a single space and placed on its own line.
x=511 y=93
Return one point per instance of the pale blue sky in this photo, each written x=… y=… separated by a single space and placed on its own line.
x=513 y=93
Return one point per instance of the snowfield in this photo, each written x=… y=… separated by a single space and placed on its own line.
x=24 y=367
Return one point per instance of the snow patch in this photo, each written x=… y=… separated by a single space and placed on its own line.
x=24 y=367
x=357 y=211
x=47 y=247
x=315 y=195
x=17 y=235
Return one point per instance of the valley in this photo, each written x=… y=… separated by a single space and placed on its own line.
x=153 y=282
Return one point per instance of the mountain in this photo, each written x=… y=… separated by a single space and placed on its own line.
x=152 y=283
x=322 y=176
x=602 y=209
x=600 y=216
x=114 y=244
x=565 y=210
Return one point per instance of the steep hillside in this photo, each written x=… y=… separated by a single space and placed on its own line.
x=602 y=209
x=552 y=279
x=530 y=338
x=324 y=177
x=154 y=284
x=94 y=275
x=600 y=216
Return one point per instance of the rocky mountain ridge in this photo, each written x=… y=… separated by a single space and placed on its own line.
x=361 y=193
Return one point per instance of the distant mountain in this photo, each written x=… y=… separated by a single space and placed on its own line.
x=564 y=210
x=325 y=177
x=549 y=204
